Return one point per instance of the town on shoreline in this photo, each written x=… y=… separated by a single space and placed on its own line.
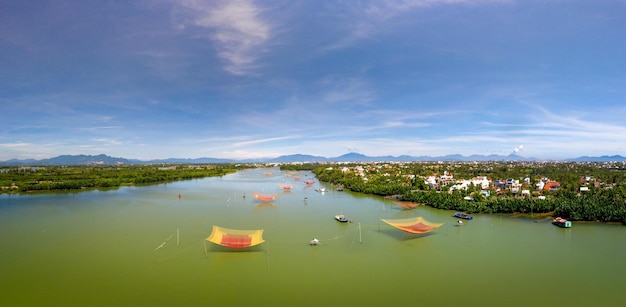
x=577 y=191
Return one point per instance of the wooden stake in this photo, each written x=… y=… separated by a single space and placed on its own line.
x=205 y=254
x=268 y=256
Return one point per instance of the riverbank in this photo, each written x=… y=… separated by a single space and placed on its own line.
x=84 y=178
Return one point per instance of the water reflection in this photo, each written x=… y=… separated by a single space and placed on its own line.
x=265 y=205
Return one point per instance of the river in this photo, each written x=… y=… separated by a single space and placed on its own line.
x=145 y=246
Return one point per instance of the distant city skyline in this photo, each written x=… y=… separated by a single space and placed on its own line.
x=260 y=79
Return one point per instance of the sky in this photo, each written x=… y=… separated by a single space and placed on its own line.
x=249 y=79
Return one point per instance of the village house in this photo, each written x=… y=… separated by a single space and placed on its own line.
x=552 y=186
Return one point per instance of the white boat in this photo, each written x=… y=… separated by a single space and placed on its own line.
x=341 y=218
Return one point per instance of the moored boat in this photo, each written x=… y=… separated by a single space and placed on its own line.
x=341 y=218
x=561 y=222
x=286 y=187
x=463 y=215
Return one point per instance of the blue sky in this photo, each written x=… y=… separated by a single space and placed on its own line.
x=252 y=79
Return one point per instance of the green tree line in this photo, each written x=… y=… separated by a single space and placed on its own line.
x=54 y=178
x=599 y=204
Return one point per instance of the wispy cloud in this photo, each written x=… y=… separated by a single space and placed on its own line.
x=369 y=16
x=383 y=10
x=29 y=150
x=547 y=131
x=100 y=128
x=108 y=141
x=353 y=91
x=266 y=140
x=575 y=126
x=15 y=144
x=237 y=29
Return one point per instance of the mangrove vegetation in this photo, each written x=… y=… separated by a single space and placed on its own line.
x=59 y=178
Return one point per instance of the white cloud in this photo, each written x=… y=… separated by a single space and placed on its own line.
x=266 y=140
x=28 y=150
x=242 y=154
x=15 y=145
x=108 y=141
x=100 y=128
x=237 y=29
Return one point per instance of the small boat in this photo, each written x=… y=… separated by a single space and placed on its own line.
x=463 y=215
x=561 y=222
x=341 y=218
x=286 y=187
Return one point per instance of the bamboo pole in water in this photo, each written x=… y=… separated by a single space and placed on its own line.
x=177 y=236
x=268 y=255
x=360 y=239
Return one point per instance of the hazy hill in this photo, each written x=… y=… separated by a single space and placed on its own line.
x=613 y=158
x=349 y=157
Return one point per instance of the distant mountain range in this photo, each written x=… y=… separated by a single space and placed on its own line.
x=349 y=157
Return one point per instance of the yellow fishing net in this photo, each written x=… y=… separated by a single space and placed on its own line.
x=235 y=238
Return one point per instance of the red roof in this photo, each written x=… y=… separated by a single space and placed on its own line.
x=552 y=185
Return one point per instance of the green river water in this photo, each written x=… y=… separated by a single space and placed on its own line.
x=144 y=246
